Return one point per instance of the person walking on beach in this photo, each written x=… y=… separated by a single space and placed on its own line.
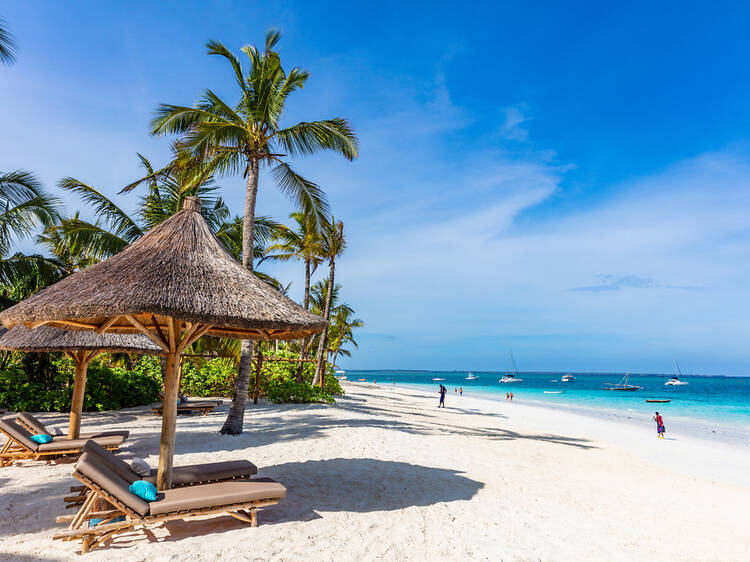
x=443 y=390
x=659 y=425
x=511 y=397
x=460 y=390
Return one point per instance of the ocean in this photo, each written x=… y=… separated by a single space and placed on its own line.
x=723 y=401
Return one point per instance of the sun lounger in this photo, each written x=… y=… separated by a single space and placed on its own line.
x=20 y=446
x=239 y=498
x=202 y=406
x=187 y=475
x=35 y=426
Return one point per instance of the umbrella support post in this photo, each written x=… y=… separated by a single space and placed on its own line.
x=168 y=423
x=82 y=360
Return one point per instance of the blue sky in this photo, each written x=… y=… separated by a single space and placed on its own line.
x=569 y=180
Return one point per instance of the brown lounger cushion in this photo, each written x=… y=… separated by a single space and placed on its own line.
x=18 y=433
x=208 y=472
x=92 y=467
x=115 y=463
x=39 y=427
x=31 y=421
x=62 y=443
x=216 y=495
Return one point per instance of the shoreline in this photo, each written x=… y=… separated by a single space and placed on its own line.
x=636 y=436
x=701 y=428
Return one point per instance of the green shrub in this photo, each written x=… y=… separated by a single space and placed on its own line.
x=107 y=388
x=279 y=390
x=214 y=378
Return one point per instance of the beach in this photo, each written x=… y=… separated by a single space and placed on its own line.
x=384 y=475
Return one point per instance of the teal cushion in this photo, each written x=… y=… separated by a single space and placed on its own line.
x=41 y=438
x=144 y=490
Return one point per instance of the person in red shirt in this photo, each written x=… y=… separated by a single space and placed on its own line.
x=659 y=425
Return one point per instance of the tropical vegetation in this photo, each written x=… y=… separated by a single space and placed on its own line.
x=213 y=139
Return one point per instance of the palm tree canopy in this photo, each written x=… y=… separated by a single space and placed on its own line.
x=24 y=205
x=8 y=47
x=231 y=135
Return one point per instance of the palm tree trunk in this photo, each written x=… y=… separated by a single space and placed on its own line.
x=319 y=374
x=302 y=350
x=236 y=415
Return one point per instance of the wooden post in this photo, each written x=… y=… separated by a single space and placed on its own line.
x=168 y=420
x=256 y=392
x=82 y=360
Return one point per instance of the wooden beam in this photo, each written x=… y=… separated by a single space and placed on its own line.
x=76 y=405
x=154 y=337
x=201 y=331
x=75 y=323
x=107 y=324
x=157 y=327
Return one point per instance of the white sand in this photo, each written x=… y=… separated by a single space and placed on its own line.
x=384 y=475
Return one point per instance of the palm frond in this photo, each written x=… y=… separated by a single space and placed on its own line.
x=104 y=208
x=307 y=195
x=310 y=137
x=8 y=47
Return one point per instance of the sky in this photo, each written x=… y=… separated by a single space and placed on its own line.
x=566 y=180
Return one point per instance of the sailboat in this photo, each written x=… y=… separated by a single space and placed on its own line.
x=511 y=377
x=675 y=380
x=622 y=385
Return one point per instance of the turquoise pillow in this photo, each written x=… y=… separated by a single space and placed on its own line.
x=144 y=490
x=41 y=438
x=94 y=522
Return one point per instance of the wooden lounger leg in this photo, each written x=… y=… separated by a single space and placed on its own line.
x=84 y=511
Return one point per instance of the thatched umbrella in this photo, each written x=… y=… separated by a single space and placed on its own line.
x=82 y=347
x=175 y=284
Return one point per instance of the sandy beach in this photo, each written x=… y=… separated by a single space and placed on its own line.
x=384 y=475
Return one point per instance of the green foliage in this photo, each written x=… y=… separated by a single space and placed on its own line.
x=107 y=388
x=279 y=382
x=214 y=378
x=280 y=391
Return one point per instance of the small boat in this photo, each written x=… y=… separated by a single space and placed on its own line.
x=438 y=379
x=622 y=385
x=554 y=391
x=511 y=377
x=658 y=401
x=471 y=377
x=567 y=377
x=675 y=380
x=362 y=380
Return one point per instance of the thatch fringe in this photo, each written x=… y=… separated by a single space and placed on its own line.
x=48 y=339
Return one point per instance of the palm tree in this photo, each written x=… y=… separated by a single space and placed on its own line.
x=342 y=331
x=24 y=205
x=302 y=243
x=8 y=48
x=333 y=243
x=242 y=136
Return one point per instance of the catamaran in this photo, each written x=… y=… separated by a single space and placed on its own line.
x=622 y=385
x=511 y=377
x=675 y=380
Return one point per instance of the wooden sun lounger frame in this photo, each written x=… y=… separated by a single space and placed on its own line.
x=91 y=537
x=14 y=451
x=202 y=408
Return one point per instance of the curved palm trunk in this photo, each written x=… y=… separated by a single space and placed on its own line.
x=236 y=415
x=319 y=374
x=303 y=346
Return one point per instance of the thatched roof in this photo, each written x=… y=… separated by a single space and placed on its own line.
x=178 y=269
x=47 y=338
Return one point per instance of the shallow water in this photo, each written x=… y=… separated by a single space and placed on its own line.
x=723 y=400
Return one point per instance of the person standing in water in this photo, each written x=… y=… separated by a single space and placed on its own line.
x=443 y=390
x=659 y=425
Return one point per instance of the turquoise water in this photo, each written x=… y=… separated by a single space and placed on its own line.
x=724 y=400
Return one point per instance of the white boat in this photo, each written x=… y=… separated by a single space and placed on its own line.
x=341 y=375
x=567 y=377
x=622 y=385
x=675 y=380
x=438 y=379
x=511 y=377
x=471 y=377
x=554 y=391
